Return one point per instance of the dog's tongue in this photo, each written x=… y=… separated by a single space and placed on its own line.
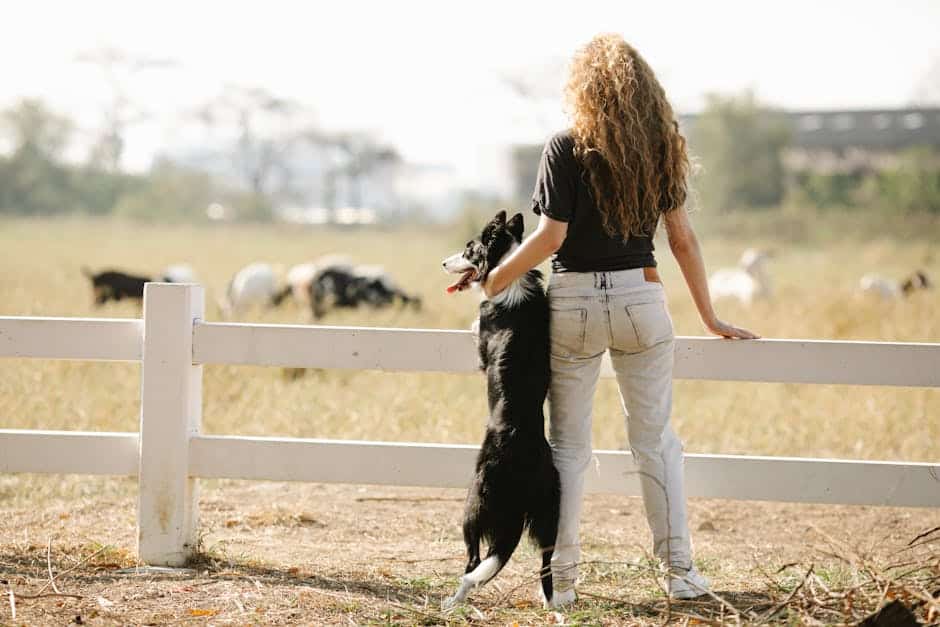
x=462 y=282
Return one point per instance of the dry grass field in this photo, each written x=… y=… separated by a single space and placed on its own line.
x=815 y=270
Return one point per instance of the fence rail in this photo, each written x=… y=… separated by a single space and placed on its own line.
x=169 y=453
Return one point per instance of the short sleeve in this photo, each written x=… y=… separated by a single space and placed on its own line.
x=556 y=193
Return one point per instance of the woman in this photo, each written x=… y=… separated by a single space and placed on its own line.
x=602 y=187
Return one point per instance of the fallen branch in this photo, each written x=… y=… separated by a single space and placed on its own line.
x=49 y=565
x=923 y=535
x=437 y=617
x=30 y=597
x=80 y=563
x=786 y=601
x=407 y=499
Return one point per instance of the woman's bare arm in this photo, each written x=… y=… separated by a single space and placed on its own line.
x=685 y=248
x=547 y=238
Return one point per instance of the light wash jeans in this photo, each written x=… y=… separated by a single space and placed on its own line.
x=624 y=313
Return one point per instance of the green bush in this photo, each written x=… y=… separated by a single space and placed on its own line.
x=912 y=186
x=168 y=193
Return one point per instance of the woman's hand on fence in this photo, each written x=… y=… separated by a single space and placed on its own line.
x=717 y=327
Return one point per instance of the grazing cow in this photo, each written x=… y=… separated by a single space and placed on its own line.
x=115 y=285
x=178 y=273
x=346 y=286
x=300 y=277
x=378 y=288
x=889 y=289
x=746 y=283
x=254 y=285
x=917 y=281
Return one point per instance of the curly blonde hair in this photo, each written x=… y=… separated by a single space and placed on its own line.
x=626 y=136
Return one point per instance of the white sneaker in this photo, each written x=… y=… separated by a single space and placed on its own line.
x=686 y=585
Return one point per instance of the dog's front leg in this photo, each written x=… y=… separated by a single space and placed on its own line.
x=483 y=350
x=475 y=330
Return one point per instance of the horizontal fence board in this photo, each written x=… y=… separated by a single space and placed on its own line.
x=331 y=461
x=82 y=339
x=784 y=361
x=795 y=479
x=451 y=466
x=809 y=361
x=357 y=348
x=69 y=452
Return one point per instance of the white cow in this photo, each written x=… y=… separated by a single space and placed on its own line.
x=300 y=277
x=746 y=283
x=178 y=273
x=252 y=286
x=889 y=289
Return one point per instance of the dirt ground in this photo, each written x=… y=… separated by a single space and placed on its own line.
x=311 y=554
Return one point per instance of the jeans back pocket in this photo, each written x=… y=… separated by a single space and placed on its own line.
x=567 y=331
x=651 y=323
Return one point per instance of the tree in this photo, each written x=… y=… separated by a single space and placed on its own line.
x=262 y=130
x=119 y=69
x=362 y=158
x=33 y=178
x=169 y=193
x=739 y=143
x=30 y=127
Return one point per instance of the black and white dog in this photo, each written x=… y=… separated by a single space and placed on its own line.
x=515 y=485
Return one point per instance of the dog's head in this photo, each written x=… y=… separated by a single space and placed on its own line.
x=499 y=238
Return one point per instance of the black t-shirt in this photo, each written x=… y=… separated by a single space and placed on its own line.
x=563 y=193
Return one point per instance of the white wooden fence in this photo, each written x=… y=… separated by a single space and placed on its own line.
x=169 y=453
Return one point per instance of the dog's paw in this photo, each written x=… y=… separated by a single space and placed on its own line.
x=475 y=329
x=449 y=602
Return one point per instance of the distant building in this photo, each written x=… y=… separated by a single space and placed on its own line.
x=820 y=140
x=852 y=140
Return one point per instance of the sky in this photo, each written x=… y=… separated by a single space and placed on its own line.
x=429 y=76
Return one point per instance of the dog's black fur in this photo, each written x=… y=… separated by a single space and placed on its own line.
x=515 y=485
x=115 y=285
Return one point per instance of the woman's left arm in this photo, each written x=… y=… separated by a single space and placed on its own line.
x=547 y=238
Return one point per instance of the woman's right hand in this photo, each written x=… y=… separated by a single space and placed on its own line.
x=718 y=327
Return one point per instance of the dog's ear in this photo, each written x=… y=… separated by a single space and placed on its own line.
x=500 y=217
x=516 y=226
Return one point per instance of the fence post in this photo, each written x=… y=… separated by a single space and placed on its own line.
x=170 y=414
